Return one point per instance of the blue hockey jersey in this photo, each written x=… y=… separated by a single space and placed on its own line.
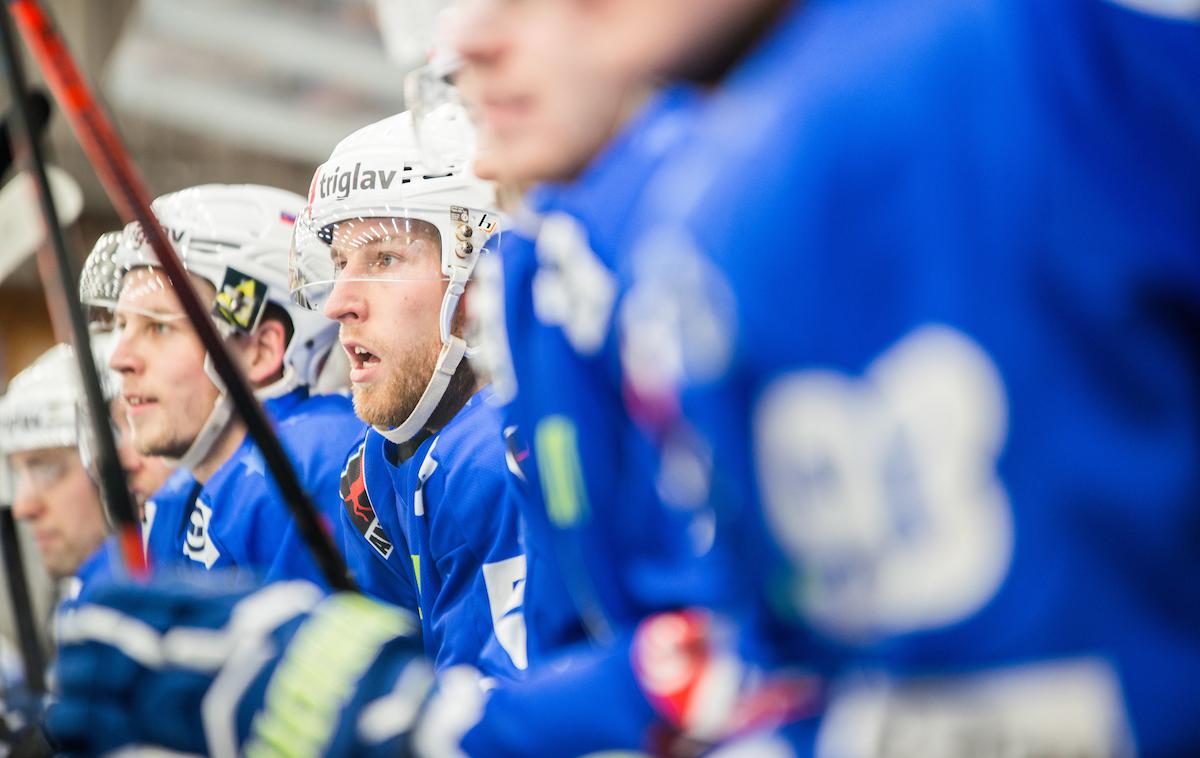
x=101 y=567
x=940 y=334
x=434 y=529
x=238 y=518
x=164 y=516
x=161 y=545
x=591 y=474
x=608 y=545
x=172 y=501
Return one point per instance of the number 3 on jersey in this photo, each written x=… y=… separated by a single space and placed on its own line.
x=883 y=489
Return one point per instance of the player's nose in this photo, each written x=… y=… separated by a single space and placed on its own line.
x=124 y=357
x=26 y=503
x=476 y=33
x=346 y=302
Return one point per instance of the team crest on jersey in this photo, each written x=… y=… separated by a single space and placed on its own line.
x=359 y=507
x=676 y=324
x=197 y=544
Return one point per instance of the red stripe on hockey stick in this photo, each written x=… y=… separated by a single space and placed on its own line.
x=128 y=193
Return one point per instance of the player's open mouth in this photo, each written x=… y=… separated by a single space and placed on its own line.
x=360 y=357
x=362 y=361
x=139 y=403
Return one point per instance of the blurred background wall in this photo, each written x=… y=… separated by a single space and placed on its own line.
x=215 y=91
x=219 y=91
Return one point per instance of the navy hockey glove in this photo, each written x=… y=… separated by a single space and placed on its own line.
x=284 y=670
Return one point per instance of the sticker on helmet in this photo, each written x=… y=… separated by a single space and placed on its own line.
x=240 y=301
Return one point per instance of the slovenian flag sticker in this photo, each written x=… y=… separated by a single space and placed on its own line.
x=287 y=218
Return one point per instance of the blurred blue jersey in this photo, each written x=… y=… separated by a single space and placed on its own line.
x=433 y=529
x=238 y=518
x=99 y=568
x=607 y=545
x=932 y=294
x=593 y=507
x=161 y=545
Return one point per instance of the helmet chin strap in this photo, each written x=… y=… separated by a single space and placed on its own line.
x=222 y=413
x=454 y=349
x=202 y=444
x=451 y=355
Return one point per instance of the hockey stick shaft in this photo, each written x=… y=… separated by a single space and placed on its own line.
x=128 y=193
x=112 y=477
x=32 y=658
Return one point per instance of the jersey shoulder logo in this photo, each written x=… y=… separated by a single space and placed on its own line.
x=359 y=507
x=572 y=289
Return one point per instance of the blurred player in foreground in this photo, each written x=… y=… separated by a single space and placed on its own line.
x=897 y=287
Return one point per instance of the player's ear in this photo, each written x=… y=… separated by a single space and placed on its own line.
x=263 y=353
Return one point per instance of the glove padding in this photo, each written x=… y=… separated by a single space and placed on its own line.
x=688 y=667
x=228 y=670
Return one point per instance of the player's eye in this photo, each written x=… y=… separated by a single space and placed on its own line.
x=159 y=328
x=43 y=473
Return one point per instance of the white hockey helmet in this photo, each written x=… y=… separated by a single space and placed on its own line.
x=40 y=409
x=371 y=188
x=236 y=237
x=99 y=280
x=442 y=125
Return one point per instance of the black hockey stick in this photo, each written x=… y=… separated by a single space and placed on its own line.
x=32 y=659
x=37 y=109
x=121 y=506
x=127 y=191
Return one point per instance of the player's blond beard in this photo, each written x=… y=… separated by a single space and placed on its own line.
x=389 y=404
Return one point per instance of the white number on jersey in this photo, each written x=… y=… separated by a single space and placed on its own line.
x=884 y=488
x=505 y=581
